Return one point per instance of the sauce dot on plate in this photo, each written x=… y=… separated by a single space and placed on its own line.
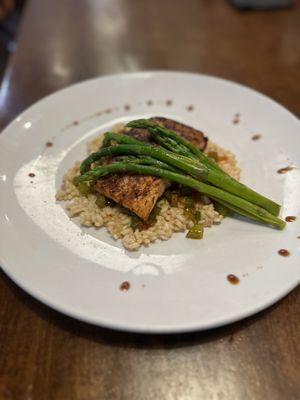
x=125 y=286
x=290 y=218
x=283 y=252
x=49 y=144
x=234 y=280
x=190 y=108
x=149 y=103
x=255 y=137
x=31 y=175
x=285 y=169
x=236 y=118
x=169 y=102
x=127 y=107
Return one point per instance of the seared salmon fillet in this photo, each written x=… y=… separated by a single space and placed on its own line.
x=139 y=193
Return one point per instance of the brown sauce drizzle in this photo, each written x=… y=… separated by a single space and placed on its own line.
x=236 y=118
x=125 y=286
x=234 y=280
x=169 y=103
x=285 y=169
x=257 y=136
x=283 y=252
x=290 y=218
x=31 y=175
x=49 y=144
x=190 y=108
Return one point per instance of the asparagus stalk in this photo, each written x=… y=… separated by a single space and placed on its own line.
x=119 y=138
x=186 y=164
x=171 y=144
x=147 y=161
x=227 y=183
x=238 y=210
x=250 y=210
x=173 y=159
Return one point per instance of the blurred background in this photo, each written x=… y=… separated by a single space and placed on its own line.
x=10 y=16
x=254 y=42
x=64 y=41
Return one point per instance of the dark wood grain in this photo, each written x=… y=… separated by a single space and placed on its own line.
x=47 y=356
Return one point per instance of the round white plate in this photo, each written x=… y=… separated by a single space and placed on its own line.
x=178 y=285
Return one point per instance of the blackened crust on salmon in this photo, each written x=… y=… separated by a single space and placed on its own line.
x=139 y=193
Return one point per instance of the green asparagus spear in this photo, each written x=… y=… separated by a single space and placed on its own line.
x=147 y=161
x=250 y=210
x=189 y=166
x=119 y=138
x=176 y=160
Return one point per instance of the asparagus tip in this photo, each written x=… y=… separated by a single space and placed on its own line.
x=138 y=122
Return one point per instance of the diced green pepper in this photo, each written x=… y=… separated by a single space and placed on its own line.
x=84 y=188
x=189 y=203
x=172 y=198
x=196 y=232
x=197 y=216
x=101 y=201
x=193 y=215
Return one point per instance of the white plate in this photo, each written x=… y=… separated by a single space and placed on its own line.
x=178 y=285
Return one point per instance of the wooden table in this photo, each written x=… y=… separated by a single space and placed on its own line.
x=44 y=355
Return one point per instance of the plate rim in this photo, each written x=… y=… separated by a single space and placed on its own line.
x=129 y=327
x=147 y=329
